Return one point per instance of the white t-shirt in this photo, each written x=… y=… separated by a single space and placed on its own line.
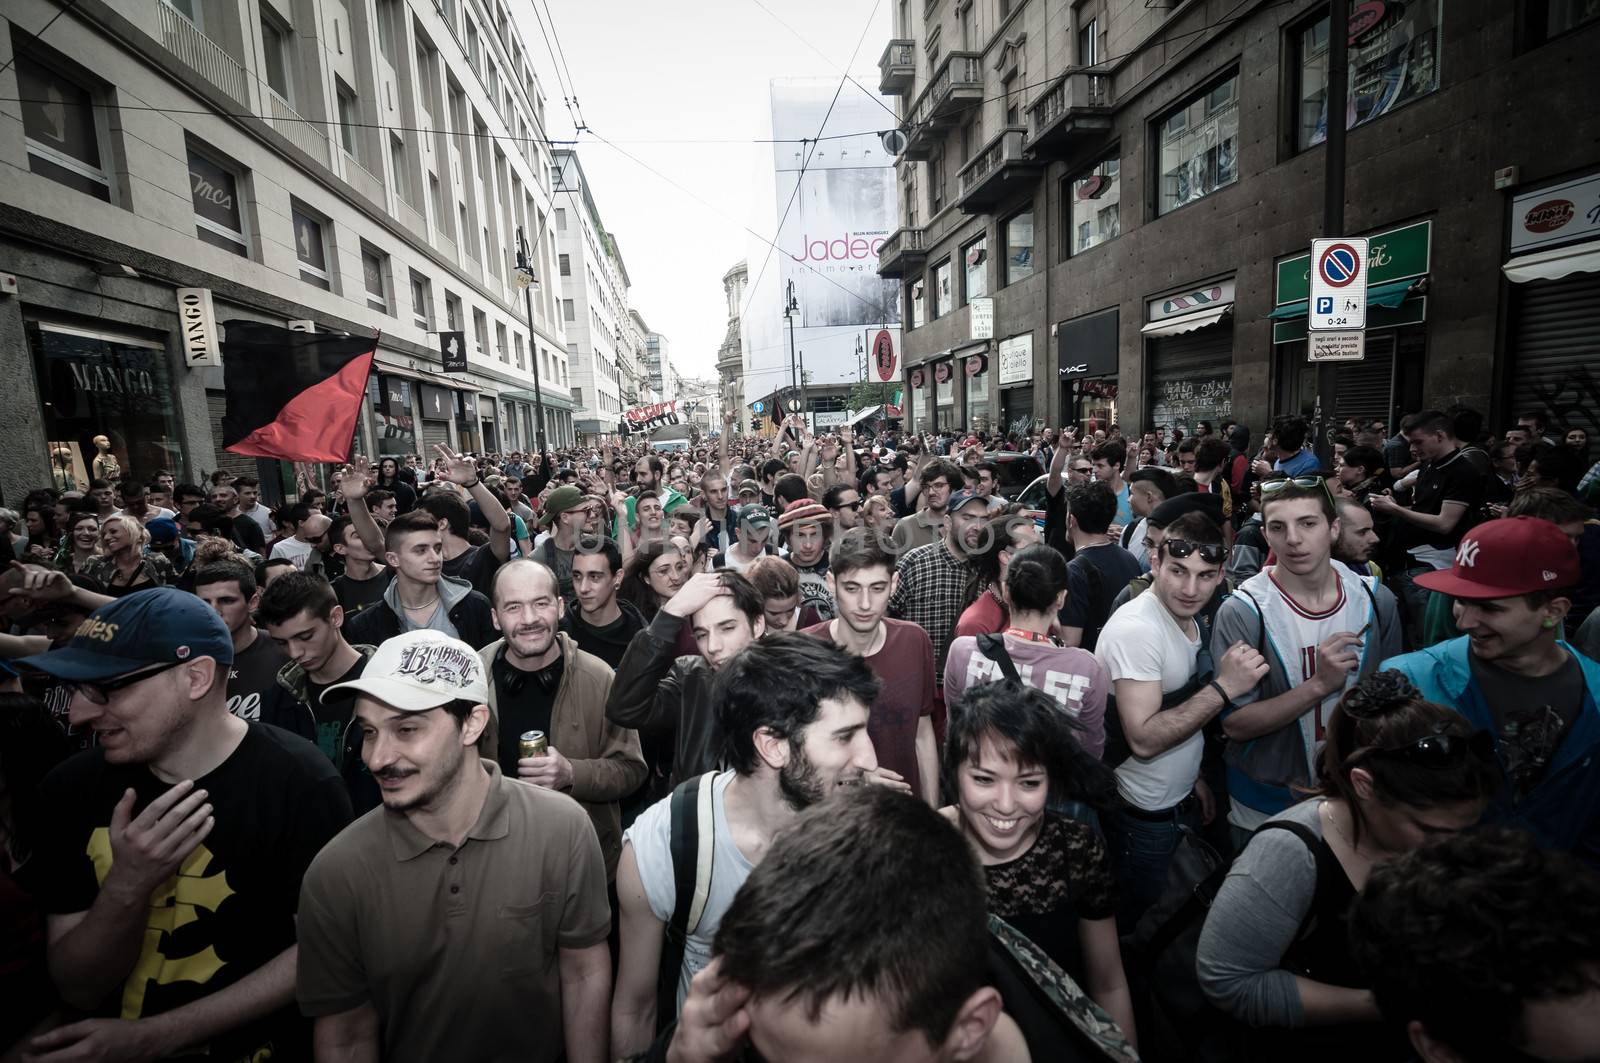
x=262 y=516
x=1142 y=641
x=295 y=550
x=651 y=838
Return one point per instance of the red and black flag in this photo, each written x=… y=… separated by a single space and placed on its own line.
x=293 y=395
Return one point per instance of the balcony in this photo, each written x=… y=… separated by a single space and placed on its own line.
x=955 y=89
x=903 y=252
x=1074 y=110
x=299 y=132
x=203 y=55
x=998 y=171
x=897 y=68
x=363 y=180
x=411 y=218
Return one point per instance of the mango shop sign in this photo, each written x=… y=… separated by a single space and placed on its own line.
x=197 y=324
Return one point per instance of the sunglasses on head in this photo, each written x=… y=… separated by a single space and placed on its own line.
x=1309 y=483
x=1440 y=750
x=1211 y=554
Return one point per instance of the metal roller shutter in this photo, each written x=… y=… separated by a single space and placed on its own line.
x=1364 y=387
x=234 y=464
x=434 y=432
x=1191 y=377
x=1017 y=407
x=1554 y=353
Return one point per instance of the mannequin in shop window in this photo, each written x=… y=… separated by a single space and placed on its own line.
x=106 y=465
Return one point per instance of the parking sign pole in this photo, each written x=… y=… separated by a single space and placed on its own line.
x=1325 y=427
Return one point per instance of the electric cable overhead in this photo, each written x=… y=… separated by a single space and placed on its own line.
x=876 y=97
x=68 y=6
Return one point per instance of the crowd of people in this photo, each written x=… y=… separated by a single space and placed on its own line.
x=802 y=747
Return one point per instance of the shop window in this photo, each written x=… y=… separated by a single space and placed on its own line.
x=941 y=289
x=1019 y=246
x=978 y=401
x=975 y=261
x=1198 y=145
x=58 y=121
x=390 y=397
x=214 y=191
x=1393 y=61
x=374 y=271
x=310 y=247
x=1095 y=213
x=105 y=387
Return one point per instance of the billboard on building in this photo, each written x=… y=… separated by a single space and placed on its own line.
x=835 y=199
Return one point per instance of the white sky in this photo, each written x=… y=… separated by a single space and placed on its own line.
x=652 y=71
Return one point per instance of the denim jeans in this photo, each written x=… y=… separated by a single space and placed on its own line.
x=1141 y=849
x=1414 y=600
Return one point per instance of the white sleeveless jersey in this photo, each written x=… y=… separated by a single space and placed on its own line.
x=1293 y=633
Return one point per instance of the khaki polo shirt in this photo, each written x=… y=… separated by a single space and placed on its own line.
x=455 y=948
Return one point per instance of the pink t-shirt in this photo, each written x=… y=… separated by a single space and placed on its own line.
x=1072 y=676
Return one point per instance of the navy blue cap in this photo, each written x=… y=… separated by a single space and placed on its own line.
x=158 y=626
x=162 y=530
x=961 y=498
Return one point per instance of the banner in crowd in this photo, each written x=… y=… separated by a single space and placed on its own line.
x=649 y=418
x=292 y=395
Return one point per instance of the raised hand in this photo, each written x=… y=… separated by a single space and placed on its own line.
x=454 y=467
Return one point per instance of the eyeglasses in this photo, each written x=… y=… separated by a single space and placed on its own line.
x=852 y=506
x=99 y=693
x=1211 y=554
x=1437 y=750
x=1083 y=470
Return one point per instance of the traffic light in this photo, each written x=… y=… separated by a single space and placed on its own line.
x=755 y=424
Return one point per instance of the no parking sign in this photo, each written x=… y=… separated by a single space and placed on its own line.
x=1338 y=284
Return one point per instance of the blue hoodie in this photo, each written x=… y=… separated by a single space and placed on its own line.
x=1563 y=810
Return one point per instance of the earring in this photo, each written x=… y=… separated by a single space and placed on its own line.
x=1548 y=623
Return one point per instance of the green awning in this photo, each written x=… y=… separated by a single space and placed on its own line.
x=1389 y=295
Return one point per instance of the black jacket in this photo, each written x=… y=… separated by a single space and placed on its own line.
x=660 y=694
x=471 y=615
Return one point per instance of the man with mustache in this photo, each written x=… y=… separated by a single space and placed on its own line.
x=467 y=918
x=539 y=680
x=792 y=713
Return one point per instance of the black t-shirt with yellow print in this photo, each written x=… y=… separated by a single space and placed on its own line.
x=230 y=908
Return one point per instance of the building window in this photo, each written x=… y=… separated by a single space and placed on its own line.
x=521 y=358
x=374 y=266
x=936 y=184
x=565 y=263
x=452 y=311
x=421 y=301
x=1012 y=99
x=1199 y=146
x=349 y=119
x=941 y=289
x=58 y=120
x=310 y=248
x=500 y=342
x=975 y=261
x=1392 y=62
x=1545 y=19
x=561 y=219
x=277 y=55
x=480 y=332
x=397 y=160
x=568 y=311
x=214 y=190
x=916 y=293
x=1095 y=200
x=388 y=23
x=1089 y=43
x=1019 y=246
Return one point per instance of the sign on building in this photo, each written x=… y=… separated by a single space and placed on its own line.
x=981 y=313
x=197 y=323
x=1555 y=215
x=453 y=350
x=649 y=418
x=1337 y=347
x=1016 y=359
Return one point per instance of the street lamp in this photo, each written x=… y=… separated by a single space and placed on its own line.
x=526 y=279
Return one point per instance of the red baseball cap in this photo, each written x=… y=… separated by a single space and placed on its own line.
x=1507 y=557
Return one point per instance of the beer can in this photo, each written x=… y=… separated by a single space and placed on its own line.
x=532 y=744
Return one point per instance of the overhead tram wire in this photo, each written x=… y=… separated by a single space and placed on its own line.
x=805 y=162
x=68 y=6
x=876 y=97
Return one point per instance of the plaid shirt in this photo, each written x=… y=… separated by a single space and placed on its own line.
x=932 y=593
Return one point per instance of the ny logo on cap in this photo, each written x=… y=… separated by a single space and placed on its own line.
x=1467 y=554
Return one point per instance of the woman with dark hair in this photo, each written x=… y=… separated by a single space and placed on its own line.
x=1577 y=441
x=389 y=479
x=1394 y=771
x=81 y=544
x=652 y=576
x=987 y=613
x=43 y=536
x=1010 y=759
x=1074 y=679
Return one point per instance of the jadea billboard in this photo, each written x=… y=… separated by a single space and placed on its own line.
x=836 y=200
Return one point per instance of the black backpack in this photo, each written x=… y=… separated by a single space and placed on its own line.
x=693 y=844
